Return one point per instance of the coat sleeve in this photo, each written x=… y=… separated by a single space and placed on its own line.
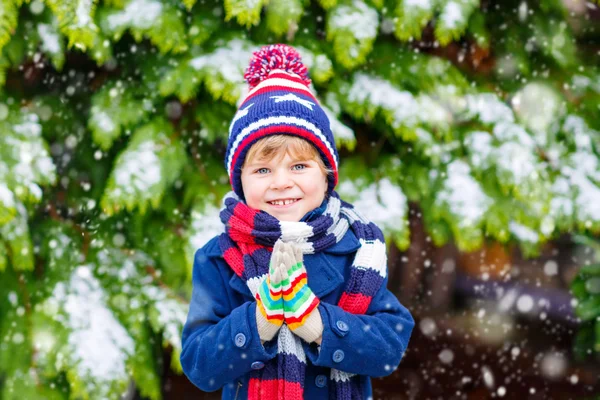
x=371 y=344
x=219 y=342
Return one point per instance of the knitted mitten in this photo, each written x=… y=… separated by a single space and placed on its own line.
x=269 y=301
x=299 y=302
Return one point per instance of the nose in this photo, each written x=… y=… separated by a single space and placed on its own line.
x=281 y=180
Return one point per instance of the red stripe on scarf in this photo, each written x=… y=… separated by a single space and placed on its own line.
x=245 y=213
x=234 y=258
x=290 y=390
x=274 y=389
x=356 y=303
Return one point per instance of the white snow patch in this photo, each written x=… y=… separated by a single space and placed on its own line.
x=83 y=12
x=382 y=202
x=375 y=91
x=171 y=315
x=463 y=194
x=452 y=15
x=229 y=61
x=139 y=169
x=6 y=196
x=102 y=120
x=361 y=20
x=523 y=233
x=98 y=343
x=339 y=130
x=138 y=13
x=489 y=108
x=50 y=38
x=425 y=4
x=204 y=226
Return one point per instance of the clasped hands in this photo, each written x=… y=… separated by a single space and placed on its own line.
x=284 y=296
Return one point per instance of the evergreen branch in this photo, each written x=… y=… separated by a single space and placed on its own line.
x=453 y=19
x=150 y=163
x=246 y=13
x=283 y=15
x=9 y=13
x=76 y=21
x=352 y=29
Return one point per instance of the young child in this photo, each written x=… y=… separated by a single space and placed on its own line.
x=290 y=302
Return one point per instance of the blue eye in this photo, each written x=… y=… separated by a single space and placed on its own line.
x=262 y=169
x=303 y=166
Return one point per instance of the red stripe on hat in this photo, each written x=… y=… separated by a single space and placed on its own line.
x=267 y=89
x=281 y=129
x=284 y=75
x=356 y=303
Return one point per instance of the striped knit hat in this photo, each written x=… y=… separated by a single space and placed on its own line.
x=279 y=102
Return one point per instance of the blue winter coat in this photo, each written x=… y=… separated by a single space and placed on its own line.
x=221 y=345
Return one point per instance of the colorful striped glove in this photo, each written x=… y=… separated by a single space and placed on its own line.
x=269 y=301
x=299 y=302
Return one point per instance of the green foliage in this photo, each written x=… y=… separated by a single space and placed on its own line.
x=145 y=169
x=115 y=117
x=113 y=110
x=8 y=20
x=246 y=13
x=160 y=22
x=76 y=21
x=283 y=15
x=586 y=289
x=352 y=28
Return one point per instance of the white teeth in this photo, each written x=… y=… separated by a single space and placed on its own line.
x=283 y=202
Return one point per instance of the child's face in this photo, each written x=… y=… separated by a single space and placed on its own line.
x=284 y=178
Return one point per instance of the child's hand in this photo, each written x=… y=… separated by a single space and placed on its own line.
x=299 y=302
x=269 y=307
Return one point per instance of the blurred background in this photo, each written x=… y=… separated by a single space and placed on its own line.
x=469 y=130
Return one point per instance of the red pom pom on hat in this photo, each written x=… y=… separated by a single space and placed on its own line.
x=271 y=57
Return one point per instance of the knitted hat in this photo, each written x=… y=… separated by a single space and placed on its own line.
x=279 y=101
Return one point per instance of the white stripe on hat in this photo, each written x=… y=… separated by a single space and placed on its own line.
x=280 y=82
x=282 y=119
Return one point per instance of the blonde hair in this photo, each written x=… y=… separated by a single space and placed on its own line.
x=274 y=146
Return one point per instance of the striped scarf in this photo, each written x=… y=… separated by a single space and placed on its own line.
x=247 y=244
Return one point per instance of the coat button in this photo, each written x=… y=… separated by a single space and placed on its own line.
x=321 y=381
x=342 y=326
x=257 y=365
x=338 y=356
x=240 y=340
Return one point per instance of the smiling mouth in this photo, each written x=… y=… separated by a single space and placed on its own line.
x=283 y=203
